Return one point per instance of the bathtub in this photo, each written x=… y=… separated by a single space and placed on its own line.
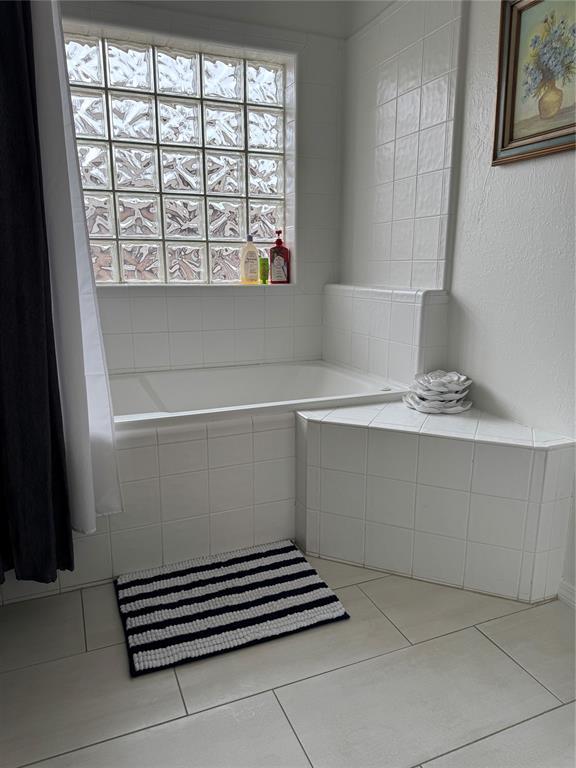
x=220 y=391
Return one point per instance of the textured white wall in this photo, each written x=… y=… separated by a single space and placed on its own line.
x=512 y=317
x=512 y=311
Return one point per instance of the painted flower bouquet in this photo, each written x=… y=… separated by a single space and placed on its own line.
x=552 y=58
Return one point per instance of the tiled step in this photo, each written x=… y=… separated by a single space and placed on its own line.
x=467 y=500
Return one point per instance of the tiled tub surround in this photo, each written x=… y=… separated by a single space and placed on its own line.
x=189 y=489
x=389 y=333
x=467 y=500
x=172 y=328
x=398 y=140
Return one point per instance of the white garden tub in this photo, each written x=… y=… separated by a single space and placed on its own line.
x=221 y=391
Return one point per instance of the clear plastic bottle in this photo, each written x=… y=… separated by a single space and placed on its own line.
x=249 y=263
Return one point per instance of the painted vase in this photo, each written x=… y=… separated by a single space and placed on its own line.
x=551 y=100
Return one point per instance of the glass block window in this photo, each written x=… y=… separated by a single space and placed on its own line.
x=181 y=156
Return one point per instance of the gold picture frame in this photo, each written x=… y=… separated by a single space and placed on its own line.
x=536 y=104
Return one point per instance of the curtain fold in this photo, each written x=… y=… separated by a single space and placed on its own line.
x=35 y=533
x=57 y=458
x=86 y=403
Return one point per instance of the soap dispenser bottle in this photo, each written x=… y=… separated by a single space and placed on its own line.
x=279 y=261
x=249 y=263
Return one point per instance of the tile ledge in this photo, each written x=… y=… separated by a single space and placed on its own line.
x=553 y=441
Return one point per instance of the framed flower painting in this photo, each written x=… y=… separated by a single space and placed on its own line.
x=536 y=106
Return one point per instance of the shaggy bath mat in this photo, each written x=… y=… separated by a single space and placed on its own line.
x=186 y=611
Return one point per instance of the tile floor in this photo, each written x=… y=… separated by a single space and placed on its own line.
x=422 y=675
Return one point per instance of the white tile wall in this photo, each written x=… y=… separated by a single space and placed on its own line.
x=388 y=333
x=441 y=507
x=400 y=80
x=384 y=494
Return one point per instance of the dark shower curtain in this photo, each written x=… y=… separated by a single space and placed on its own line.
x=35 y=531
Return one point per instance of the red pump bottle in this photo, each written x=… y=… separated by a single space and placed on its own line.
x=279 y=261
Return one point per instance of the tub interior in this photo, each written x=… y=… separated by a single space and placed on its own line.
x=202 y=389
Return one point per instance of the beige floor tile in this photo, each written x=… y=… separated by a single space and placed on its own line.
x=546 y=741
x=40 y=630
x=252 y=733
x=101 y=617
x=252 y=670
x=407 y=707
x=63 y=705
x=422 y=610
x=338 y=575
x=542 y=641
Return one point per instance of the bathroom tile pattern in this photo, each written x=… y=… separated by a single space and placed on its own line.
x=401 y=83
x=392 y=334
x=403 y=635
x=206 y=328
x=457 y=688
x=191 y=490
x=388 y=490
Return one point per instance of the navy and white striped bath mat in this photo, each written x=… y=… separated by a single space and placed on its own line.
x=198 y=608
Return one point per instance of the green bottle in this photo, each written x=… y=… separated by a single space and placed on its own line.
x=263 y=269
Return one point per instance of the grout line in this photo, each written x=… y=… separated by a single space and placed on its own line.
x=365 y=499
x=256 y=693
x=490 y=735
x=358 y=583
x=467 y=541
x=471 y=626
x=292 y=727
x=98 y=743
x=495 y=644
x=444 y=634
x=84 y=632
x=174 y=670
x=40 y=663
x=385 y=616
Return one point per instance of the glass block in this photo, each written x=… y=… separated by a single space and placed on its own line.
x=94 y=165
x=186 y=262
x=264 y=250
x=132 y=117
x=104 y=261
x=224 y=126
x=224 y=263
x=99 y=214
x=142 y=262
x=265 y=219
x=226 y=219
x=265 y=176
x=179 y=122
x=225 y=173
x=184 y=217
x=223 y=78
x=138 y=215
x=135 y=167
x=89 y=110
x=129 y=65
x=265 y=83
x=84 y=60
x=265 y=130
x=182 y=170
x=177 y=73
